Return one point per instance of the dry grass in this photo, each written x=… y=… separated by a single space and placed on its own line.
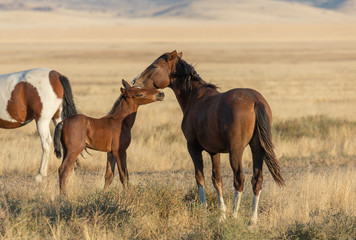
x=306 y=74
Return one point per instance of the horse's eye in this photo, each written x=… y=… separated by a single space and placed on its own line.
x=139 y=95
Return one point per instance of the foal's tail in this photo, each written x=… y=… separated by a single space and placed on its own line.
x=68 y=105
x=57 y=140
x=263 y=130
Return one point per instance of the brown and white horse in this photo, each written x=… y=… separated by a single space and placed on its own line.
x=218 y=123
x=111 y=134
x=38 y=94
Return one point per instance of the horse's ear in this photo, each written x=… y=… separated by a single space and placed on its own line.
x=180 y=54
x=123 y=91
x=172 y=55
x=126 y=84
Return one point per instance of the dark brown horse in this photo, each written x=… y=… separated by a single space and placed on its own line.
x=38 y=94
x=111 y=134
x=218 y=123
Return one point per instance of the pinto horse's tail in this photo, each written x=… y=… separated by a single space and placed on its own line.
x=57 y=140
x=265 y=137
x=68 y=105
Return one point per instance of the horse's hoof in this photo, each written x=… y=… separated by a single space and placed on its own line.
x=222 y=217
x=252 y=222
x=38 y=178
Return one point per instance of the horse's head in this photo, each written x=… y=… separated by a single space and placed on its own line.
x=158 y=74
x=141 y=95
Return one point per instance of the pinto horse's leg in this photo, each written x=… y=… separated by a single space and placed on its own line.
x=257 y=178
x=121 y=165
x=195 y=153
x=239 y=177
x=46 y=140
x=110 y=170
x=217 y=182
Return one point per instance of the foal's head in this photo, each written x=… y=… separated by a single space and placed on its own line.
x=141 y=95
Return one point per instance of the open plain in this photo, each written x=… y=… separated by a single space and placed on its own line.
x=304 y=67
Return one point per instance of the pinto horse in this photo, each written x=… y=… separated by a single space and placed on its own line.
x=38 y=94
x=218 y=123
x=111 y=134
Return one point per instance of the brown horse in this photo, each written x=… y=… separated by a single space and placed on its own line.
x=218 y=123
x=111 y=134
x=38 y=94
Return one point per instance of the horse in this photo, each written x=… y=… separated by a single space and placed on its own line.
x=218 y=123
x=38 y=94
x=111 y=134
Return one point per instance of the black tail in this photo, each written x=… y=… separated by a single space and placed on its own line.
x=57 y=140
x=263 y=130
x=68 y=102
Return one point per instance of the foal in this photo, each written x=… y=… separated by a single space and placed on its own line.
x=111 y=134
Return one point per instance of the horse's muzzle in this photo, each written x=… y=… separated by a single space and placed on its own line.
x=160 y=96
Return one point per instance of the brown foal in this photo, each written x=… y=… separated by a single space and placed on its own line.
x=218 y=123
x=111 y=134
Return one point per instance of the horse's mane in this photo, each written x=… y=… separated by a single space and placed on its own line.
x=116 y=104
x=186 y=73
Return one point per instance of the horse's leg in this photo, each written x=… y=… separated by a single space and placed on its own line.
x=197 y=158
x=257 y=178
x=217 y=182
x=121 y=165
x=239 y=177
x=64 y=170
x=110 y=170
x=46 y=140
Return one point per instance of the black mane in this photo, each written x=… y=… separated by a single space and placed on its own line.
x=185 y=73
x=116 y=104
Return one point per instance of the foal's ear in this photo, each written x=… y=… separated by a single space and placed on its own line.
x=180 y=54
x=123 y=91
x=172 y=55
x=126 y=84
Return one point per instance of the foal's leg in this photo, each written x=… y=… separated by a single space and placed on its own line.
x=257 y=178
x=217 y=181
x=239 y=177
x=64 y=170
x=46 y=140
x=110 y=170
x=196 y=155
x=121 y=165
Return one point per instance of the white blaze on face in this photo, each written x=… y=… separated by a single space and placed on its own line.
x=134 y=81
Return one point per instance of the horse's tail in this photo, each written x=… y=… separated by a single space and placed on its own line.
x=68 y=105
x=263 y=131
x=57 y=140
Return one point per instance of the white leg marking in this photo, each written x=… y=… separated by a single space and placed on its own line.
x=134 y=81
x=236 y=203
x=253 y=216
x=202 y=196
x=222 y=206
x=46 y=140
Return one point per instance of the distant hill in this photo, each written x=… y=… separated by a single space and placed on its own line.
x=184 y=8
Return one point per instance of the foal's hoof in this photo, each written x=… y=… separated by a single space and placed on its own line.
x=39 y=178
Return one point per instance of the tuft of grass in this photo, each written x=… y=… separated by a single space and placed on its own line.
x=318 y=126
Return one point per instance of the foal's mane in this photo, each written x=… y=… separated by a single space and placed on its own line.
x=118 y=100
x=185 y=74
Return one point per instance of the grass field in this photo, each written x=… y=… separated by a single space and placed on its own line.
x=305 y=71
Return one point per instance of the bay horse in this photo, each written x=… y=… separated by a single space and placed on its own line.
x=38 y=94
x=218 y=123
x=111 y=134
